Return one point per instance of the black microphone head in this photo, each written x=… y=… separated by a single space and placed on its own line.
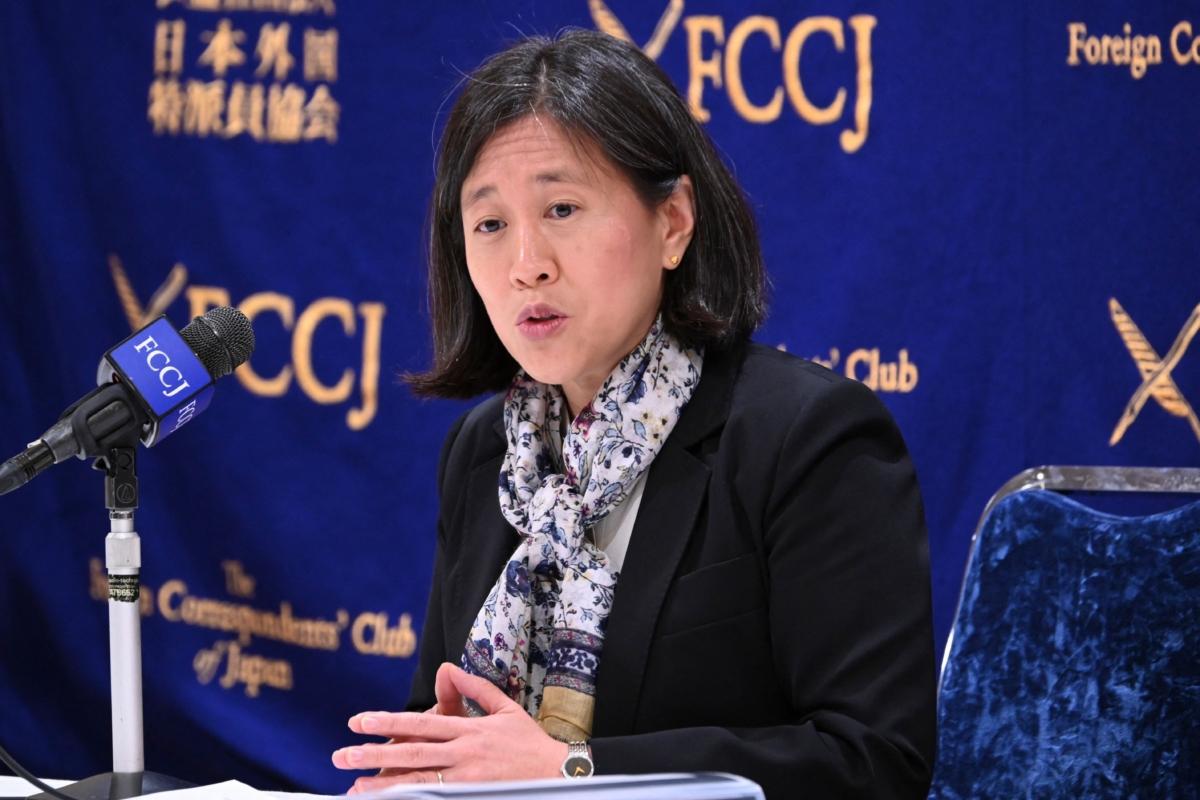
x=222 y=339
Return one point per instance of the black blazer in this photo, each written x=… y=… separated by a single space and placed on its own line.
x=772 y=618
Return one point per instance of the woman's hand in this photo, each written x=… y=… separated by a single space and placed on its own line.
x=507 y=744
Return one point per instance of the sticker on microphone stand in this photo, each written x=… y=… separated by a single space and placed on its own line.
x=123 y=588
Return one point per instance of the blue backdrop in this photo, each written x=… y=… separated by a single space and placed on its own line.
x=986 y=212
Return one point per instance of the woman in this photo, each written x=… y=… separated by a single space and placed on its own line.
x=706 y=554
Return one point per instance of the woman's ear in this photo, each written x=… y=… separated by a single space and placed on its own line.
x=678 y=216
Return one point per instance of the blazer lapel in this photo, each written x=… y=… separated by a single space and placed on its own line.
x=674 y=493
x=492 y=542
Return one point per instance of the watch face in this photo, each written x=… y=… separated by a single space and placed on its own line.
x=577 y=767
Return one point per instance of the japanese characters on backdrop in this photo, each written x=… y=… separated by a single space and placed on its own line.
x=220 y=76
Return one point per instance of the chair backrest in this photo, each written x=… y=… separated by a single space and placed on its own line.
x=1073 y=668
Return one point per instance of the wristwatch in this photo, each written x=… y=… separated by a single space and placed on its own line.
x=578 y=763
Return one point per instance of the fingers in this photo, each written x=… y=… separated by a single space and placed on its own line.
x=407 y=725
x=449 y=701
x=408 y=756
x=481 y=690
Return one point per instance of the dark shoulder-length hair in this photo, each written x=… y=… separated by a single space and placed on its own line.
x=606 y=91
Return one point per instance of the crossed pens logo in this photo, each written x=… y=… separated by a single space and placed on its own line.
x=1156 y=372
x=607 y=21
x=159 y=302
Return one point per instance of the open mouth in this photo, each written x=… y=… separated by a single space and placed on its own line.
x=539 y=320
x=539 y=312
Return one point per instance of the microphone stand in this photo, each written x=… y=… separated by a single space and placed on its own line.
x=123 y=561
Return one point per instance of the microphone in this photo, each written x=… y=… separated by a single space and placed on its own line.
x=149 y=386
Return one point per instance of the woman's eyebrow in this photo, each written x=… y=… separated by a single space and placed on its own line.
x=479 y=194
x=557 y=176
x=554 y=176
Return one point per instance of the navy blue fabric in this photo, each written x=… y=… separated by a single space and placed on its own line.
x=1075 y=668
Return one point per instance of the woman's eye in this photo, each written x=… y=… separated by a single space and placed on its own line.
x=489 y=226
x=562 y=210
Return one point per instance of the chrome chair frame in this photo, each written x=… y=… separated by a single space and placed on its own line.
x=1158 y=480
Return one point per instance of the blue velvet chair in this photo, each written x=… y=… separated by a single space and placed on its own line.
x=1073 y=667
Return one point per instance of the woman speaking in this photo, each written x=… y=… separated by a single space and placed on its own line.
x=661 y=547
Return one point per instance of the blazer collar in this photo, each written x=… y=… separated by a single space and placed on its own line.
x=675 y=490
x=709 y=406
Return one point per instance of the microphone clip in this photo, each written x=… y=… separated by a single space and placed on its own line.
x=120 y=478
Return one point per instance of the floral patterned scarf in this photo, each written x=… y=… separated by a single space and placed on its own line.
x=540 y=631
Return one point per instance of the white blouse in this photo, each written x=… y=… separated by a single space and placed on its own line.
x=612 y=533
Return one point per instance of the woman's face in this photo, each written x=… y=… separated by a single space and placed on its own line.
x=568 y=260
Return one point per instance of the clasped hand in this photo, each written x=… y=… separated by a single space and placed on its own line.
x=507 y=744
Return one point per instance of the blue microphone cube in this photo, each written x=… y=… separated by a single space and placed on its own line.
x=168 y=379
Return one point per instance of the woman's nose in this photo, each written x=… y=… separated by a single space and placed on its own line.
x=533 y=264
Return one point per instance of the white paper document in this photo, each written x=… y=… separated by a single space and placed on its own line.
x=667 y=786
x=702 y=786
